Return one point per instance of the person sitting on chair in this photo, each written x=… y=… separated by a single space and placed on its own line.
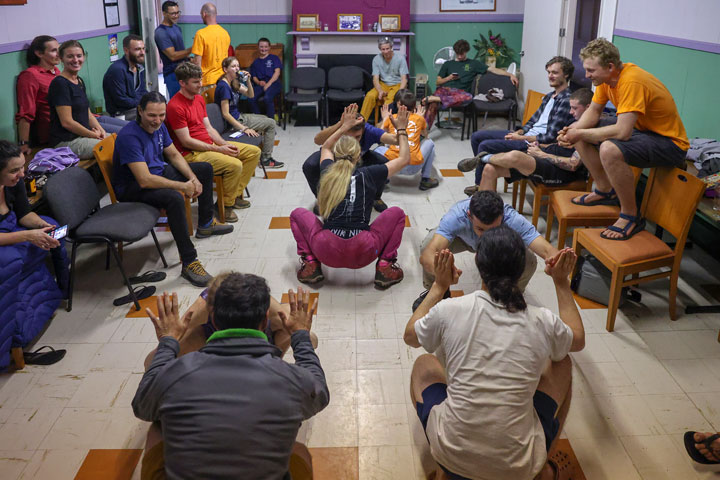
x=265 y=72
x=389 y=73
x=124 y=81
x=346 y=238
x=455 y=80
x=545 y=164
x=229 y=88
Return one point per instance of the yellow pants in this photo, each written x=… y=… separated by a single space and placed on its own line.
x=236 y=171
x=371 y=99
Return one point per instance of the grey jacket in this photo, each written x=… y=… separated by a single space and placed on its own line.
x=232 y=409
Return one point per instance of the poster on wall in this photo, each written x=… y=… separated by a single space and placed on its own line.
x=113 y=45
x=467 y=5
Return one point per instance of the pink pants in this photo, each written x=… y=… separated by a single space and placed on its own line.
x=449 y=97
x=381 y=241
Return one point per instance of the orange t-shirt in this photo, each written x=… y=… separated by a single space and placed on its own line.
x=641 y=92
x=211 y=43
x=416 y=125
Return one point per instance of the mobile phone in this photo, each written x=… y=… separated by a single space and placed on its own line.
x=59 y=232
x=455 y=74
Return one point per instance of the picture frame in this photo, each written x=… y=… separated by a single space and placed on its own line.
x=307 y=22
x=389 y=23
x=350 y=22
x=467 y=5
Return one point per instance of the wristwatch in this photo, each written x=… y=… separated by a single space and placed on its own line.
x=23 y=142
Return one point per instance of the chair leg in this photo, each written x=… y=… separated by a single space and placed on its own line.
x=157 y=244
x=537 y=203
x=107 y=258
x=71 y=281
x=514 y=193
x=549 y=223
x=263 y=169
x=220 y=189
x=17 y=357
x=247 y=192
x=562 y=234
x=673 y=293
x=125 y=278
x=188 y=215
x=521 y=199
x=614 y=301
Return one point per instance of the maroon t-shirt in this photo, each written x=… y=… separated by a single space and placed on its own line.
x=32 y=92
x=184 y=113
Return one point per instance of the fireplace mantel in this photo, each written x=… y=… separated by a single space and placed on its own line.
x=308 y=45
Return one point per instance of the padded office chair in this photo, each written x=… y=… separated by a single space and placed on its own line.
x=305 y=78
x=345 y=85
x=507 y=105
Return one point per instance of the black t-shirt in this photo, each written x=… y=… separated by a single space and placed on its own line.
x=352 y=215
x=16 y=200
x=63 y=93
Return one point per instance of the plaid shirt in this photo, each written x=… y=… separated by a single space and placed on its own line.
x=560 y=116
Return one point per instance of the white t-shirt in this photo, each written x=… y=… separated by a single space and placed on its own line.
x=540 y=126
x=487 y=429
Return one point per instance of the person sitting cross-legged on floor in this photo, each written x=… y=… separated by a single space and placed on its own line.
x=198 y=141
x=235 y=403
x=494 y=397
x=346 y=238
x=149 y=169
x=422 y=150
x=227 y=95
x=546 y=164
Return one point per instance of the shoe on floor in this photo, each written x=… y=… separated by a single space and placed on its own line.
x=388 y=275
x=428 y=183
x=230 y=216
x=310 y=272
x=272 y=163
x=380 y=206
x=195 y=273
x=470 y=191
x=241 y=203
x=469 y=164
x=422 y=296
x=215 y=228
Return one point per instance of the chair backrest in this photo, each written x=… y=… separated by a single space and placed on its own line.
x=215 y=116
x=103 y=153
x=246 y=53
x=670 y=200
x=532 y=103
x=72 y=196
x=491 y=80
x=308 y=78
x=347 y=77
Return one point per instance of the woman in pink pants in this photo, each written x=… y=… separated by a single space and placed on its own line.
x=346 y=239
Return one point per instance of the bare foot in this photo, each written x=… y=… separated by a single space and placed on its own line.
x=714 y=454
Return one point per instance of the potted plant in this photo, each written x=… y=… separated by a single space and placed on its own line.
x=493 y=49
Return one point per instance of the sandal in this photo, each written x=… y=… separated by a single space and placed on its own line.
x=561 y=464
x=695 y=453
x=148 y=277
x=608 y=198
x=141 y=292
x=44 y=358
x=634 y=225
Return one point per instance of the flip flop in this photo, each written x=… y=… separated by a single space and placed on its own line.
x=44 y=358
x=634 y=225
x=608 y=198
x=695 y=453
x=148 y=277
x=141 y=292
x=561 y=465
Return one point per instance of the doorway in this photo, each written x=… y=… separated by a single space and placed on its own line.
x=587 y=19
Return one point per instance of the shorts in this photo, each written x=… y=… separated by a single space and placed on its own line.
x=648 y=149
x=548 y=174
x=153 y=463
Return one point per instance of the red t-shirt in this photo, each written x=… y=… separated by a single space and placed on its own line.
x=32 y=91
x=184 y=113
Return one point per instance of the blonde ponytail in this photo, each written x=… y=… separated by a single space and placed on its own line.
x=334 y=183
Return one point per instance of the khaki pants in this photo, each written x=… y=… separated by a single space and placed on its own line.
x=264 y=126
x=236 y=171
x=371 y=99
x=457 y=246
x=80 y=146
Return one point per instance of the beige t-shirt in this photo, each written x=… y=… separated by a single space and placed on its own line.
x=487 y=429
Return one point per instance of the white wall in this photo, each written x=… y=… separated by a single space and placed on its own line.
x=425 y=7
x=239 y=7
x=54 y=17
x=692 y=19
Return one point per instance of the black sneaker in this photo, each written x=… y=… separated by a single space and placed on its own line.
x=195 y=273
x=428 y=183
x=422 y=296
x=469 y=164
x=380 y=206
x=272 y=163
x=215 y=228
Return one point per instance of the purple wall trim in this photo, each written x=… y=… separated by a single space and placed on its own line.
x=240 y=19
x=467 y=17
x=17 y=46
x=676 y=42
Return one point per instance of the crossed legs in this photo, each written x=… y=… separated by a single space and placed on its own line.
x=500 y=165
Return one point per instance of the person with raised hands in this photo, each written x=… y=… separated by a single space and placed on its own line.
x=345 y=238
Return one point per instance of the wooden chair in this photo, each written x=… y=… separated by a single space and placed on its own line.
x=541 y=194
x=103 y=153
x=570 y=215
x=670 y=200
x=220 y=190
x=246 y=53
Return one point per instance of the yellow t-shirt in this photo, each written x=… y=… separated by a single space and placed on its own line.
x=416 y=125
x=641 y=92
x=212 y=44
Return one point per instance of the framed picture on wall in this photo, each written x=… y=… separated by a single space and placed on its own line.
x=350 y=22
x=467 y=5
x=389 y=23
x=307 y=23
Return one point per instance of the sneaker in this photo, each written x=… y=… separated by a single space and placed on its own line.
x=422 y=296
x=469 y=164
x=380 y=206
x=310 y=272
x=388 y=275
x=215 y=228
x=195 y=273
x=241 y=203
x=470 y=191
x=428 y=183
x=272 y=163
x=230 y=216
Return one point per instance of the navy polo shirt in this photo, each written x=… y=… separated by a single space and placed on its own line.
x=264 y=68
x=166 y=37
x=134 y=144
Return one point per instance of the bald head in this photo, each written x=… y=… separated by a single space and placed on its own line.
x=209 y=9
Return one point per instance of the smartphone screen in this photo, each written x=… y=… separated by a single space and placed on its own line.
x=59 y=232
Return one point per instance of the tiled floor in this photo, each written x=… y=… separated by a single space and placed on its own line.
x=635 y=392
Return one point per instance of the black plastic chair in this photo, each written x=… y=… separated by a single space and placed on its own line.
x=305 y=78
x=75 y=202
x=345 y=85
x=507 y=105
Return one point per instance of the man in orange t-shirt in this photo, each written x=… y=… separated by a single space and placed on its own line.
x=648 y=133
x=210 y=46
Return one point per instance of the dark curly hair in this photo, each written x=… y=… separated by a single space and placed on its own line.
x=500 y=259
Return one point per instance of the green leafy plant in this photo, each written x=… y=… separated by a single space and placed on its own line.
x=494 y=46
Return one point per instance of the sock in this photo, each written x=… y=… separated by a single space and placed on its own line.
x=486 y=158
x=423 y=179
x=309 y=258
x=383 y=263
x=208 y=224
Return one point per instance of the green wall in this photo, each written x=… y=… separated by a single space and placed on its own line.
x=688 y=74
x=11 y=64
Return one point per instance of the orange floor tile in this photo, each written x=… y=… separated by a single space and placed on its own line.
x=277 y=223
x=587 y=304
x=335 y=463
x=149 y=302
x=276 y=175
x=313 y=297
x=109 y=464
x=277 y=142
x=407 y=222
x=451 y=172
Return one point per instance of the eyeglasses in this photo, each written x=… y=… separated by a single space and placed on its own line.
x=173 y=14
